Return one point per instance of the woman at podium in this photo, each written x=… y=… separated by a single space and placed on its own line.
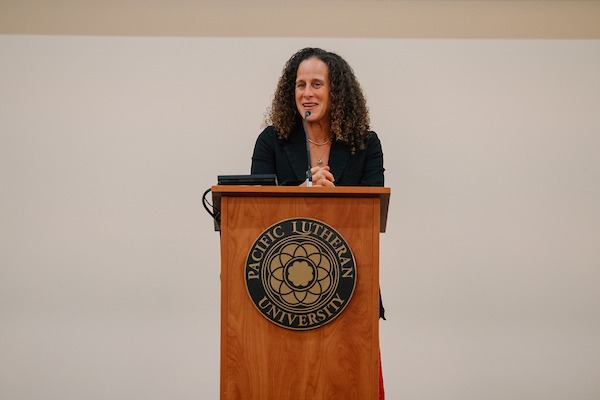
x=318 y=129
x=319 y=122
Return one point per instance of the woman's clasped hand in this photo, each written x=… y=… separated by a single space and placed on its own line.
x=321 y=176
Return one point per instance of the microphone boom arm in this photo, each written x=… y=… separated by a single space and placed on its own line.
x=308 y=172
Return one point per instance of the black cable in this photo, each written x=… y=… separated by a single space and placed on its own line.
x=215 y=214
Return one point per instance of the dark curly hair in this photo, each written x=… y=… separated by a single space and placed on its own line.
x=349 y=112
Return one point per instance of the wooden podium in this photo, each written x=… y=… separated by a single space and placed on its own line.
x=263 y=361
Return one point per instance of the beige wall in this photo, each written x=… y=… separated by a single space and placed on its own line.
x=109 y=278
x=312 y=18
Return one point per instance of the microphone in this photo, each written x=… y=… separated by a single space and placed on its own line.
x=308 y=173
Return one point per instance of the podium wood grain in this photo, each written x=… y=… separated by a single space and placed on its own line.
x=263 y=361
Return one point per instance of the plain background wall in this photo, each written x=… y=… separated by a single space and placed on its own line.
x=489 y=19
x=109 y=268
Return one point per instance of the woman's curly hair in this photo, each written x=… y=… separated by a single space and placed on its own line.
x=349 y=112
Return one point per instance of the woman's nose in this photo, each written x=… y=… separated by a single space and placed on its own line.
x=307 y=91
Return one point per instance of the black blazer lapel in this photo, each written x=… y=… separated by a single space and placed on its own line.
x=339 y=156
x=295 y=150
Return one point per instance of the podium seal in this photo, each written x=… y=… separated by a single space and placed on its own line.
x=300 y=273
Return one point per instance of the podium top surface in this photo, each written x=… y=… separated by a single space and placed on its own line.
x=382 y=193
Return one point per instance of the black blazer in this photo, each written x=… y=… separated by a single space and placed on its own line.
x=289 y=161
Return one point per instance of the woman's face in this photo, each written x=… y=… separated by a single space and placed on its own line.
x=312 y=90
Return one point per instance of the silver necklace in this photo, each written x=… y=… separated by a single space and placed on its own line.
x=320 y=157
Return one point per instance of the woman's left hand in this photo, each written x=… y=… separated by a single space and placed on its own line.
x=322 y=177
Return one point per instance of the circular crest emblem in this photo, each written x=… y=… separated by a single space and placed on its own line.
x=300 y=273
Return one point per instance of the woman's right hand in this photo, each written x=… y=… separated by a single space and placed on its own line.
x=321 y=176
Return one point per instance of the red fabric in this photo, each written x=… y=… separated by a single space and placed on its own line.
x=381 y=391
